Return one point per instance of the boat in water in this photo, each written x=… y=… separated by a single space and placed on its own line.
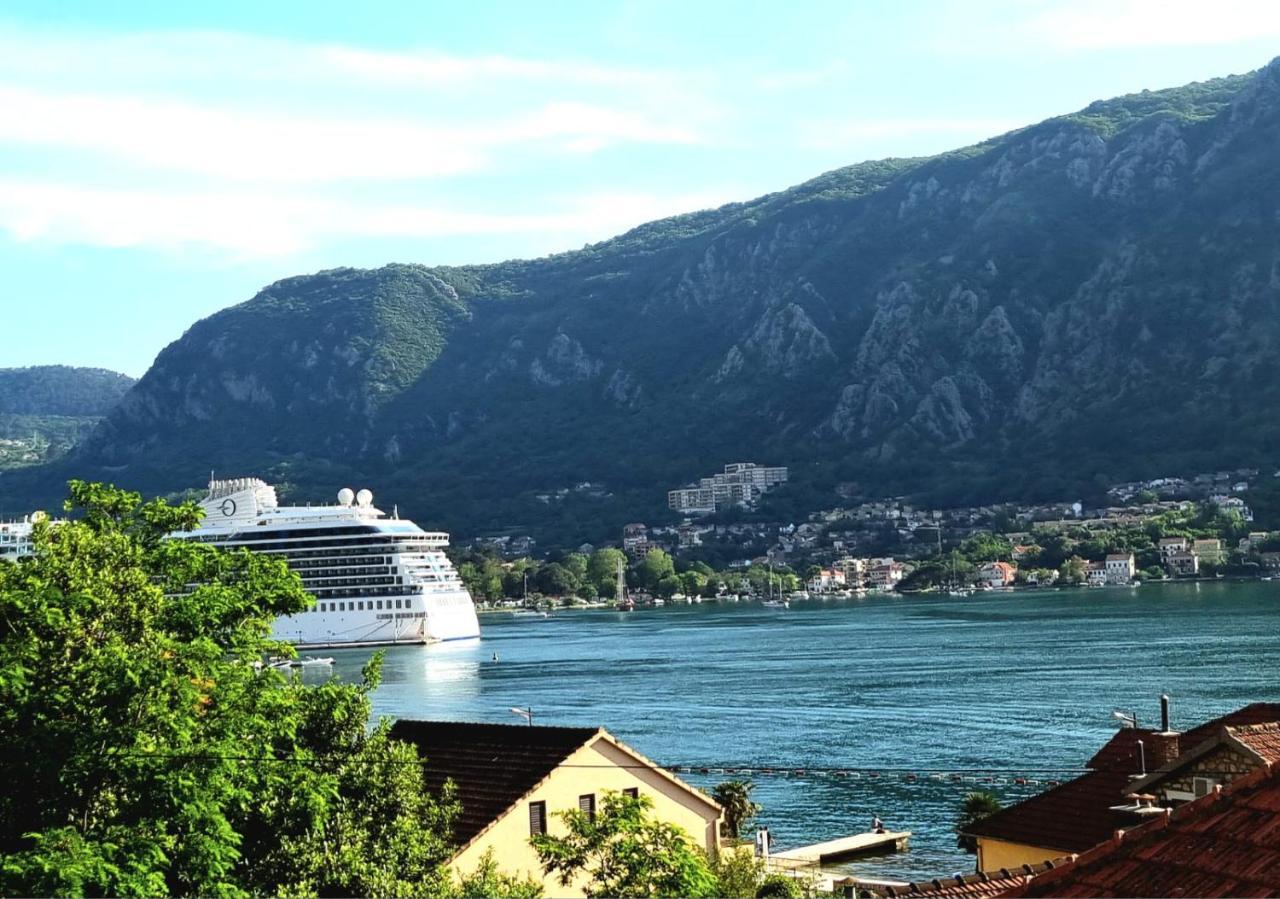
x=376 y=579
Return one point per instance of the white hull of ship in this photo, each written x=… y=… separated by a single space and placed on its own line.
x=449 y=617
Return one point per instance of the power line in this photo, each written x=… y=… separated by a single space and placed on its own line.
x=964 y=774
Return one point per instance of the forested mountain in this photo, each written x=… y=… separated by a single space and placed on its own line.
x=47 y=409
x=61 y=390
x=1080 y=301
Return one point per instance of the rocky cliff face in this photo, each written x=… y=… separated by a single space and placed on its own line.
x=1092 y=296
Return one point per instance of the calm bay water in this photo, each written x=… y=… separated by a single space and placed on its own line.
x=1016 y=684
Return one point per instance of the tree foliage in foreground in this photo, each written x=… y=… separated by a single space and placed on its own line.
x=143 y=753
x=622 y=852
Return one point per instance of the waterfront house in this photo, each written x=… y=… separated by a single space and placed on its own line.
x=1120 y=568
x=1172 y=545
x=511 y=781
x=885 y=576
x=855 y=572
x=1095 y=574
x=1183 y=564
x=1208 y=550
x=1077 y=815
x=997 y=574
x=827 y=580
x=1223 y=844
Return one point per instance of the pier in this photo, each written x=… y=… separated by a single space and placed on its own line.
x=842 y=849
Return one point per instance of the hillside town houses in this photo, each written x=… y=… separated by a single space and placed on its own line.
x=878 y=543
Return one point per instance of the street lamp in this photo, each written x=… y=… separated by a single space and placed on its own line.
x=1126 y=719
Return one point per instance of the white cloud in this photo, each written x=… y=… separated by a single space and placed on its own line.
x=1115 y=24
x=251 y=224
x=232 y=143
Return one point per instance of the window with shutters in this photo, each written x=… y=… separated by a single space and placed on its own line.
x=587 y=805
x=537 y=818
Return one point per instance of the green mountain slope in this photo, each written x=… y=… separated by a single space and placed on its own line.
x=47 y=409
x=1079 y=301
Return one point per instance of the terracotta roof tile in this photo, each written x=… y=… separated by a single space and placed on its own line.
x=1071 y=817
x=1225 y=844
x=970 y=886
x=1077 y=815
x=1264 y=739
x=493 y=765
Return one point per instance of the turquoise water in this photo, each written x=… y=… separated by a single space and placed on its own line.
x=1019 y=684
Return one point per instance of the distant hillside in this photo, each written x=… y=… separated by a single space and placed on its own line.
x=1079 y=302
x=47 y=409
x=61 y=390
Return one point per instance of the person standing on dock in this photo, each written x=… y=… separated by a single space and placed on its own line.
x=877 y=826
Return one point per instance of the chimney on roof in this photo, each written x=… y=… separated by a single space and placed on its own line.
x=1165 y=746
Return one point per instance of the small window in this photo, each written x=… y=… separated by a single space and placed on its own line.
x=587 y=805
x=537 y=818
x=631 y=793
x=379 y=605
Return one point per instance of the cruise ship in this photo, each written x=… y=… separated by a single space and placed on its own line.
x=377 y=580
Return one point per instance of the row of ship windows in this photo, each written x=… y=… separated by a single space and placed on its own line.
x=316 y=563
x=370 y=573
x=351 y=582
x=330 y=592
x=363 y=605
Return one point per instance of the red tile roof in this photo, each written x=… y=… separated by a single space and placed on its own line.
x=1071 y=817
x=1077 y=815
x=493 y=765
x=1120 y=752
x=1225 y=844
x=970 y=886
x=1264 y=739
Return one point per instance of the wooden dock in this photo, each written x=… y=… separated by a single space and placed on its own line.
x=842 y=849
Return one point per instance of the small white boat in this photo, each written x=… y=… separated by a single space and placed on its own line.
x=315 y=662
x=529 y=613
x=776 y=604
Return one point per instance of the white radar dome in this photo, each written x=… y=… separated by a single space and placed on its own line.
x=364 y=497
x=345 y=496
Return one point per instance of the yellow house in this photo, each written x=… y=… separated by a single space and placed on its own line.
x=511 y=781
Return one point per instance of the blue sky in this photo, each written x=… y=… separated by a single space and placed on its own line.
x=160 y=161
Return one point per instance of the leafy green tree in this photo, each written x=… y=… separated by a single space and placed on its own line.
x=655 y=565
x=556 y=580
x=668 y=587
x=487 y=882
x=692 y=583
x=734 y=797
x=602 y=569
x=145 y=751
x=739 y=875
x=576 y=563
x=1072 y=571
x=622 y=852
x=780 y=886
x=975 y=806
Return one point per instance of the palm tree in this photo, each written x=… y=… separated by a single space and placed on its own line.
x=973 y=808
x=734 y=797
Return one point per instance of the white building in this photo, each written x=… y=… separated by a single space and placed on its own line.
x=1120 y=568
x=1096 y=574
x=740 y=484
x=15 y=538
